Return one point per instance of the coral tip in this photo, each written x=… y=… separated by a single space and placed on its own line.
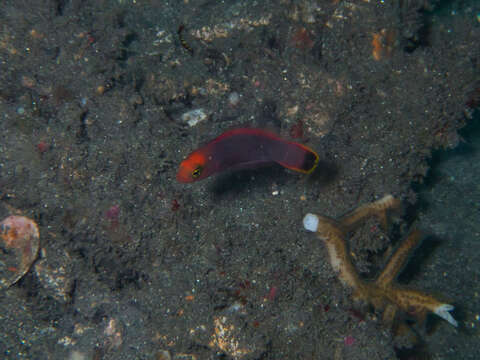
x=310 y=222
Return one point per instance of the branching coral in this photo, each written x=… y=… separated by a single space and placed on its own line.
x=383 y=294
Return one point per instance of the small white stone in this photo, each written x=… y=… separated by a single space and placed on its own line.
x=77 y=355
x=193 y=117
x=310 y=222
x=234 y=98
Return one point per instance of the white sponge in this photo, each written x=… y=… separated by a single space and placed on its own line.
x=310 y=222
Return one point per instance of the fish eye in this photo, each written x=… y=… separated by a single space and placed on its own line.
x=196 y=173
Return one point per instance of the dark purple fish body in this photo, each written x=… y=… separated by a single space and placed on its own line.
x=244 y=148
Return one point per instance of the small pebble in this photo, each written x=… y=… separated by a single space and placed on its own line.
x=42 y=146
x=28 y=82
x=100 y=90
x=193 y=117
x=136 y=99
x=163 y=355
x=349 y=340
x=112 y=213
x=234 y=99
x=77 y=355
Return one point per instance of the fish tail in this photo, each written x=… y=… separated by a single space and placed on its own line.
x=300 y=158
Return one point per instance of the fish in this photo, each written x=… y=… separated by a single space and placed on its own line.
x=245 y=148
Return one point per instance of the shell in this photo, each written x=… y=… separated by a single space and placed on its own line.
x=19 y=248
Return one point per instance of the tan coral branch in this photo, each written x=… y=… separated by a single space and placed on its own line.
x=383 y=294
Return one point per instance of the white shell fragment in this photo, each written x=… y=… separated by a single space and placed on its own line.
x=310 y=222
x=193 y=117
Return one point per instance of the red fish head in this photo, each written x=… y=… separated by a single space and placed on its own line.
x=192 y=168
